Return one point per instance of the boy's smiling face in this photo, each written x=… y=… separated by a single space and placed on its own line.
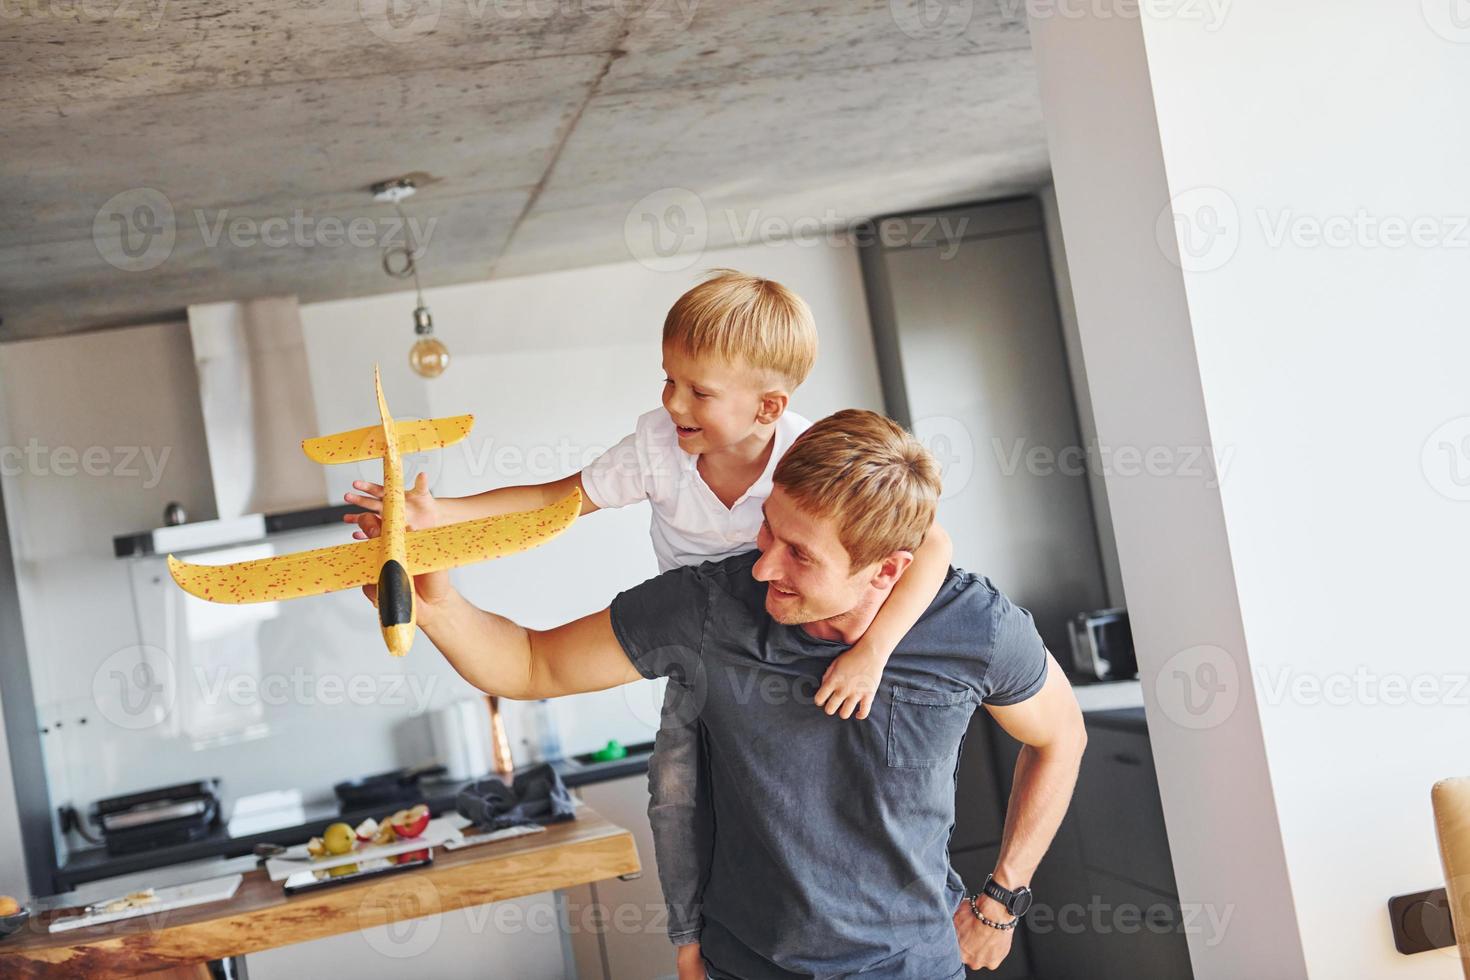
x=715 y=404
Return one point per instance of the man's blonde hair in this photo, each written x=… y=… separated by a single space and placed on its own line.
x=879 y=483
x=740 y=317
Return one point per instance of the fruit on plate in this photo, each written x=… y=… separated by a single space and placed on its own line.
x=132 y=900
x=341 y=869
x=8 y=905
x=338 y=838
x=410 y=822
x=410 y=856
x=385 y=834
x=316 y=847
x=367 y=830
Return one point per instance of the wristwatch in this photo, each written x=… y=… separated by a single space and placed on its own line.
x=1016 y=902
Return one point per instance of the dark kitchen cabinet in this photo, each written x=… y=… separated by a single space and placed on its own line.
x=979 y=808
x=1107 y=906
x=1123 y=834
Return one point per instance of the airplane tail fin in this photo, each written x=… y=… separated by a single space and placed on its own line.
x=346 y=447
x=412 y=436
x=416 y=435
x=423 y=434
x=382 y=402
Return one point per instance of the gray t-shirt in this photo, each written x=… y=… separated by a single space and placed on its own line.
x=831 y=837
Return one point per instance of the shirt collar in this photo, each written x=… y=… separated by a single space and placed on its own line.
x=780 y=442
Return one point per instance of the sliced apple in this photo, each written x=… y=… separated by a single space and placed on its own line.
x=410 y=823
x=367 y=830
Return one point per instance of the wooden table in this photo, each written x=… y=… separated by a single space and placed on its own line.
x=261 y=916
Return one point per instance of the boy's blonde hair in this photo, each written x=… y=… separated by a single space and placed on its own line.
x=879 y=483
x=740 y=317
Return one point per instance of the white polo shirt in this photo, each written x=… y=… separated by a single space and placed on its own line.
x=690 y=524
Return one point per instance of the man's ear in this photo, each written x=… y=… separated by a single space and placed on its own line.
x=891 y=569
x=773 y=404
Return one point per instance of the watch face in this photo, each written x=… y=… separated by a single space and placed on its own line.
x=1022 y=902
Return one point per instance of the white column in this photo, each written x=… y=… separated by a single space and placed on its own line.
x=1264 y=208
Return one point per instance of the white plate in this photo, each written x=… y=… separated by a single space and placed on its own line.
x=164 y=900
x=296 y=858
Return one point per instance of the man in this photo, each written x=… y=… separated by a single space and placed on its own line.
x=830 y=849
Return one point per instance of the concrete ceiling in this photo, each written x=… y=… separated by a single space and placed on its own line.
x=159 y=153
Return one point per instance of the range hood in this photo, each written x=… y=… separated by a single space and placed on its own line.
x=254 y=396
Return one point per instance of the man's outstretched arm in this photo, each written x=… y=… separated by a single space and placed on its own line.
x=504 y=658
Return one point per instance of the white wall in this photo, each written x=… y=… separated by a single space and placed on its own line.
x=1097 y=489
x=102 y=447
x=1332 y=552
x=555 y=367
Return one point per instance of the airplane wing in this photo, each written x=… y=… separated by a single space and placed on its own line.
x=342 y=566
x=467 y=542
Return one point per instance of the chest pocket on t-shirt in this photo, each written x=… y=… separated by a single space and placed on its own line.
x=925 y=727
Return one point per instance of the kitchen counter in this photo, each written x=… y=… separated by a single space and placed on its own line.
x=94 y=863
x=261 y=916
x=1093 y=696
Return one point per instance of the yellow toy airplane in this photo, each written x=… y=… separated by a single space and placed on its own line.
x=397 y=554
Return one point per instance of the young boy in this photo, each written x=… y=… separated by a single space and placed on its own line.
x=734 y=349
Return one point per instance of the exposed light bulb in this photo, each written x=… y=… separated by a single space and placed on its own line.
x=428 y=356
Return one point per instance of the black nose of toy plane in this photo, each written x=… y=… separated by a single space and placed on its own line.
x=395 y=607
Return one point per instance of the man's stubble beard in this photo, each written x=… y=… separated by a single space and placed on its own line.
x=797 y=614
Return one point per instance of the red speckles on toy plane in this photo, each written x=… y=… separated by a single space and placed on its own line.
x=397 y=554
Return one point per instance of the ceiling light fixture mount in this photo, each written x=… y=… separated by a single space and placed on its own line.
x=394 y=190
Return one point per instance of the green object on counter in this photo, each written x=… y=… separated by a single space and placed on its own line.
x=612 y=750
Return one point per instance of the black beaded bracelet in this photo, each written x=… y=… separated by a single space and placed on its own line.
x=1002 y=926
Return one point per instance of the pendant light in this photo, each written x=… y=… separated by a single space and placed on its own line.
x=428 y=356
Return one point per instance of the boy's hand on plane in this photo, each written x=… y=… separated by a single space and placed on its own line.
x=690 y=963
x=851 y=682
x=420 y=510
